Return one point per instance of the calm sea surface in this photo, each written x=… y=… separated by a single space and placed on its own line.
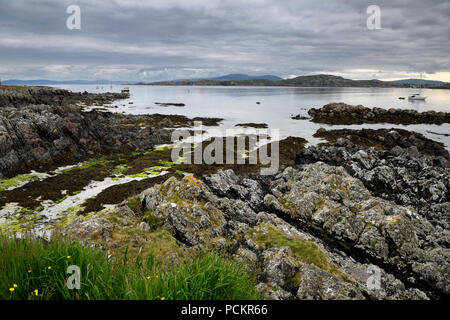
x=278 y=104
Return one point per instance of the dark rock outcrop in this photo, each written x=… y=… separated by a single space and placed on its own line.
x=54 y=97
x=415 y=176
x=40 y=127
x=410 y=170
x=341 y=113
x=170 y=104
x=333 y=209
x=266 y=225
x=253 y=125
x=36 y=136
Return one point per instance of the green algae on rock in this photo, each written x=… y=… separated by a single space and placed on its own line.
x=16 y=181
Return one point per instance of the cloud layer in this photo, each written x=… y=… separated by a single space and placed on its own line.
x=168 y=39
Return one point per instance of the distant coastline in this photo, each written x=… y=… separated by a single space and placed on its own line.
x=302 y=81
x=319 y=81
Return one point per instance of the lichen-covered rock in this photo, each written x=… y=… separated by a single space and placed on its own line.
x=185 y=208
x=272 y=291
x=411 y=171
x=411 y=237
x=247 y=257
x=316 y=284
x=318 y=228
x=280 y=264
x=228 y=184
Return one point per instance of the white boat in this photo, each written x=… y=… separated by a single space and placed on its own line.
x=126 y=90
x=416 y=96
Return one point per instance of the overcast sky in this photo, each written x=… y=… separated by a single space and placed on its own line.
x=170 y=39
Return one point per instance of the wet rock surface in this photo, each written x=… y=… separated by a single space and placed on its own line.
x=38 y=135
x=170 y=104
x=409 y=170
x=253 y=125
x=341 y=113
x=10 y=97
x=41 y=128
x=384 y=139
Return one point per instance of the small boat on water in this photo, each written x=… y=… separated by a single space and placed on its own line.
x=416 y=96
x=126 y=90
x=402 y=98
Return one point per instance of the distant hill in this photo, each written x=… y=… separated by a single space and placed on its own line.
x=325 y=80
x=240 y=76
x=234 y=77
x=45 y=82
x=420 y=82
x=321 y=80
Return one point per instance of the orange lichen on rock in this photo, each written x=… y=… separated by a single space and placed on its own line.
x=193 y=180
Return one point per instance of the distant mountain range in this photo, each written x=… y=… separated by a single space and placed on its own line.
x=45 y=82
x=240 y=76
x=320 y=80
x=235 y=77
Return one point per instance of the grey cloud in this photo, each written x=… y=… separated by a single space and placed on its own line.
x=156 y=40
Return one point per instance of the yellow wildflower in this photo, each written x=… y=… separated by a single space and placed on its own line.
x=15 y=285
x=29 y=270
x=49 y=268
x=148 y=278
x=11 y=289
x=68 y=257
x=36 y=292
x=163 y=298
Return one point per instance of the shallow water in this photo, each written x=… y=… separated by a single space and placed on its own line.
x=278 y=104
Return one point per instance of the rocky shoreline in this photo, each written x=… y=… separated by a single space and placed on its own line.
x=363 y=216
x=43 y=128
x=18 y=97
x=315 y=230
x=341 y=113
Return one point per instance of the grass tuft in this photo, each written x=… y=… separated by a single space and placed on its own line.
x=34 y=269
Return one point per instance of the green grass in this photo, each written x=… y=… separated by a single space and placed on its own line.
x=25 y=263
x=152 y=221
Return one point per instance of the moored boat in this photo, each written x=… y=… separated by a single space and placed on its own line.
x=416 y=96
